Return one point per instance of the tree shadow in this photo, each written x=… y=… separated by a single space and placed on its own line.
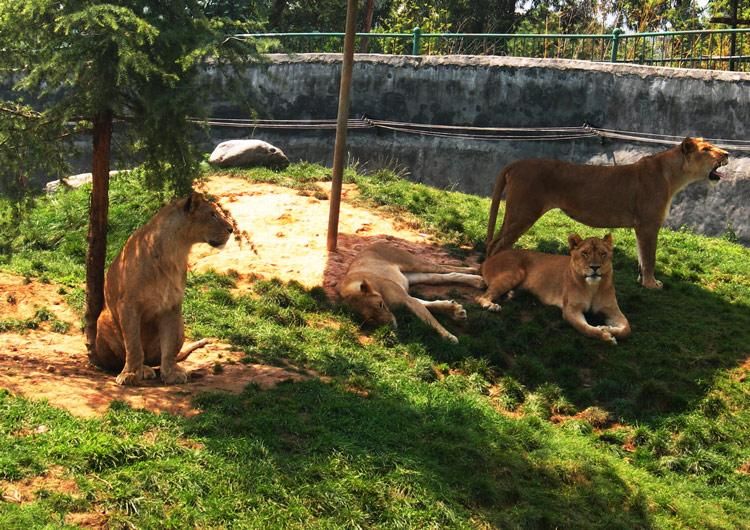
x=445 y=458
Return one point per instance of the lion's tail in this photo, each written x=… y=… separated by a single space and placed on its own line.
x=190 y=348
x=497 y=193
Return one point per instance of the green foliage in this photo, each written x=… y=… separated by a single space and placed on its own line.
x=138 y=62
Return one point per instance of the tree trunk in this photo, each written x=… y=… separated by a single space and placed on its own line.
x=368 y=25
x=97 y=237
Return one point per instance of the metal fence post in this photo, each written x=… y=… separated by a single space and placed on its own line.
x=416 y=35
x=615 y=43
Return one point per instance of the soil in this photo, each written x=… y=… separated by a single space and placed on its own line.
x=287 y=230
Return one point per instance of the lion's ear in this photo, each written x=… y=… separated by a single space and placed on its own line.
x=688 y=145
x=365 y=287
x=192 y=202
x=574 y=240
x=608 y=239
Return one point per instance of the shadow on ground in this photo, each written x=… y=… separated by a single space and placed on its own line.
x=682 y=337
x=439 y=459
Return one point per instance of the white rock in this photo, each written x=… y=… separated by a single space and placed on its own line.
x=248 y=153
x=73 y=181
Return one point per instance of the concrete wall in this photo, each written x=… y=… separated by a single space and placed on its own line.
x=511 y=92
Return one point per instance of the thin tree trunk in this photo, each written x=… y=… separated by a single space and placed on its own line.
x=368 y=25
x=97 y=237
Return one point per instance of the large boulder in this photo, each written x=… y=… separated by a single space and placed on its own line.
x=248 y=153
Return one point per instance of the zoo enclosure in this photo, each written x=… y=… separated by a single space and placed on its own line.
x=721 y=49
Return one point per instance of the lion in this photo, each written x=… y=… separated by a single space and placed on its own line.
x=577 y=284
x=141 y=324
x=634 y=195
x=379 y=278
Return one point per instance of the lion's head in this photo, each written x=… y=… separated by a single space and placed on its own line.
x=591 y=258
x=364 y=300
x=207 y=223
x=702 y=159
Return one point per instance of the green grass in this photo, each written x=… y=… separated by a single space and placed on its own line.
x=524 y=424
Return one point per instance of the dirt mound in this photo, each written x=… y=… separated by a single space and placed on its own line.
x=288 y=233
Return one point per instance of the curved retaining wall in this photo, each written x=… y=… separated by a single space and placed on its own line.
x=511 y=92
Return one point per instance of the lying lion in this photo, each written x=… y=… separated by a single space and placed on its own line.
x=141 y=323
x=379 y=278
x=634 y=195
x=577 y=284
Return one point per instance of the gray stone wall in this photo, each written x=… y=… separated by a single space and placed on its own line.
x=511 y=92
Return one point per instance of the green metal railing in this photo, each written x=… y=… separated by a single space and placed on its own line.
x=708 y=49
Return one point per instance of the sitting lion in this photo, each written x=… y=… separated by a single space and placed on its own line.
x=141 y=324
x=378 y=280
x=578 y=284
x=634 y=195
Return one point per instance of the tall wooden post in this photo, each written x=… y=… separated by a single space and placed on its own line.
x=339 y=151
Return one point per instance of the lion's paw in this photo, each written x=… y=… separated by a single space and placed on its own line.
x=479 y=283
x=492 y=306
x=459 y=313
x=148 y=372
x=451 y=338
x=175 y=376
x=653 y=283
x=128 y=378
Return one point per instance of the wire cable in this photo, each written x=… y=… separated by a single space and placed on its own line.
x=468 y=132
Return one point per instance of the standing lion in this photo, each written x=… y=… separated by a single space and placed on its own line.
x=141 y=323
x=634 y=195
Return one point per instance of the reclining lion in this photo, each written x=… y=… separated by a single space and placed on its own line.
x=634 y=195
x=141 y=323
x=577 y=284
x=378 y=281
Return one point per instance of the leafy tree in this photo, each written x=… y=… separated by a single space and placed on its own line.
x=83 y=66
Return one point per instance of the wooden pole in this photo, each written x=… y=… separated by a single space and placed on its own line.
x=339 y=151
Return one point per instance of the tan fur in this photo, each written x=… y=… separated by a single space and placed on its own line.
x=378 y=281
x=577 y=284
x=141 y=324
x=634 y=195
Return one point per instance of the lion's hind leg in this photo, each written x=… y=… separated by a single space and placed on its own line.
x=436 y=278
x=497 y=286
x=408 y=262
x=516 y=222
x=109 y=351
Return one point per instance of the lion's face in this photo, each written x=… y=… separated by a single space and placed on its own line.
x=702 y=159
x=368 y=303
x=591 y=258
x=207 y=222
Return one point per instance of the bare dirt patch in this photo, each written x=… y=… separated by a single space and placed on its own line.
x=20 y=299
x=25 y=490
x=288 y=232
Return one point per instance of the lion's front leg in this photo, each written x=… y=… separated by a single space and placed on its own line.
x=130 y=323
x=575 y=318
x=617 y=323
x=646 y=238
x=171 y=337
x=418 y=308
